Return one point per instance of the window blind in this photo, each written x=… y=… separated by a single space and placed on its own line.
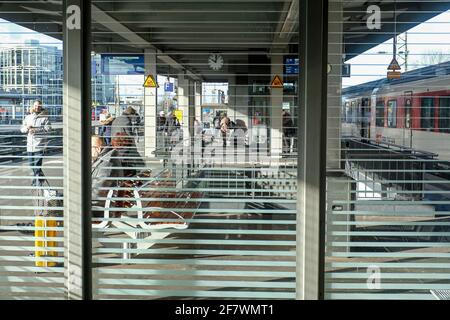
x=195 y=197
x=387 y=171
x=31 y=200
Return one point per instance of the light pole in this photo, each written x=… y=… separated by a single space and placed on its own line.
x=53 y=92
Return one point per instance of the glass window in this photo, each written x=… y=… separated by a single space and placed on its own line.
x=19 y=57
x=427 y=114
x=214 y=93
x=26 y=58
x=380 y=113
x=444 y=114
x=202 y=168
x=392 y=113
x=386 y=210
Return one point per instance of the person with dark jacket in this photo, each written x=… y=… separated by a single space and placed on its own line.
x=172 y=129
x=161 y=121
x=124 y=125
x=110 y=165
x=172 y=123
x=125 y=122
x=288 y=131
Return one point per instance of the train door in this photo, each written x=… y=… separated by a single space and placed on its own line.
x=407 y=131
x=408 y=106
x=365 y=118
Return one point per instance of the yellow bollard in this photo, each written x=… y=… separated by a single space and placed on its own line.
x=39 y=224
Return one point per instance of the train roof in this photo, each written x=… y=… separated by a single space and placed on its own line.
x=441 y=69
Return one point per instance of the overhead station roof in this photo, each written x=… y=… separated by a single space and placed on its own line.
x=183 y=30
x=188 y=31
x=408 y=14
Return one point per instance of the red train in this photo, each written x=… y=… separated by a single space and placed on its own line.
x=413 y=111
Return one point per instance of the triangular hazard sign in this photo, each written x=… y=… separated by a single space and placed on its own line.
x=150 y=82
x=394 y=65
x=277 y=82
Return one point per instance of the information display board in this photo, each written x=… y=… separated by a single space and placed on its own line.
x=291 y=65
x=122 y=64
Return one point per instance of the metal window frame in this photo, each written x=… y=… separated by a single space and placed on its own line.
x=312 y=137
x=77 y=153
x=311 y=161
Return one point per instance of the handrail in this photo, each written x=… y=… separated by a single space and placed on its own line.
x=386 y=145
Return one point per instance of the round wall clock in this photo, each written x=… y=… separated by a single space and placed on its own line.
x=215 y=61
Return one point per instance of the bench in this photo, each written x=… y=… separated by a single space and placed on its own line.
x=165 y=211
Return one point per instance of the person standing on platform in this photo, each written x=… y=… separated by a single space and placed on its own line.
x=225 y=128
x=36 y=125
x=105 y=130
x=288 y=132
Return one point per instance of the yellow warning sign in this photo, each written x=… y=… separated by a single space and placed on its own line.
x=393 y=75
x=277 y=82
x=394 y=65
x=150 y=82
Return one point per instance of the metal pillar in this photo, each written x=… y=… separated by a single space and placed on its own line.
x=276 y=106
x=198 y=100
x=312 y=148
x=183 y=104
x=241 y=99
x=150 y=102
x=191 y=108
x=335 y=58
x=77 y=165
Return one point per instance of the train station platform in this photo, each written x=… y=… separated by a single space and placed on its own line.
x=223 y=168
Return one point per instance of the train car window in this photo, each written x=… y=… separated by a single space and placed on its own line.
x=392 y=114
x=408 y=105
x=444 y=114
x=427 y=114
x=380 y=113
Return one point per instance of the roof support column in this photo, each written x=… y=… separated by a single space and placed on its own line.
x=150 y=114
x=183 y=104
x=191 y=108
x=335 y=59
x=276 y=106
x=198 y=100
x=77 y=149
x=312 y=148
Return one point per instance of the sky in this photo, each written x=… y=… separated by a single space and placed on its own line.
x=425 y=39
x=12 y=34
